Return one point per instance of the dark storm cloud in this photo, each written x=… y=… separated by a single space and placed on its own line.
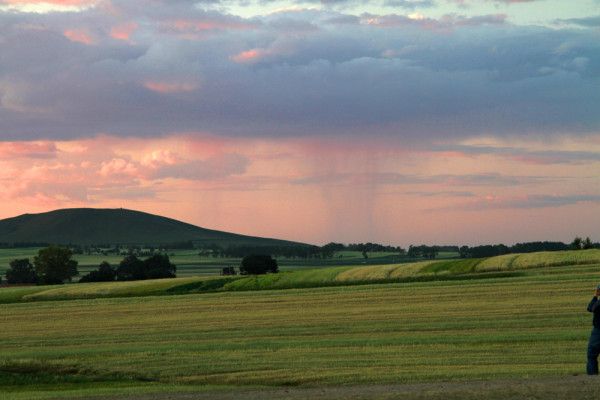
x=171 y=67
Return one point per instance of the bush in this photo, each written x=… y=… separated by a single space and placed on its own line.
x=257 y=264
x=105 y=273
x=21 y=271
x=53 y=265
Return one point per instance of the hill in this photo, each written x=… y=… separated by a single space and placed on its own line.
x=87 y=226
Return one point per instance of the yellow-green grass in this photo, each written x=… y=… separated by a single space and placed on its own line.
x=498 y=263
x=381 y=272
x=319 y=277
x=111 y=289
x=526 y=326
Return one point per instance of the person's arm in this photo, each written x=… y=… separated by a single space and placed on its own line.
x=594 y=304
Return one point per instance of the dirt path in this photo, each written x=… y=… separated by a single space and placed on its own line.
x=574 y=387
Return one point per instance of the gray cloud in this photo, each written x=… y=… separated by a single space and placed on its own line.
x=410 y=4
x=526 y=202
x=588 y=22
x=184 y=68
x=523 y=155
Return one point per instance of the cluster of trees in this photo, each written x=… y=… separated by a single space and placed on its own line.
x=51 y=266
x=299 y=252
x=529 y=247
x=254 y=264
x=54 y=265
x=583 y=244
x=428 y=252
x=131 y=268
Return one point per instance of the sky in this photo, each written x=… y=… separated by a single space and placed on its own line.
x=392 y=121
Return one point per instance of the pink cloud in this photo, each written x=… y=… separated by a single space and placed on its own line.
x=123 y=31
x=444 y=23
x=118 y=167
x=250 y=56
x=79 y=36
x=358 y=190
x=170 y=87
x=28 y=150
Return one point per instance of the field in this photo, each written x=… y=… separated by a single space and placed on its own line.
x=493 y=328
x=520 y=265
x=189 y=263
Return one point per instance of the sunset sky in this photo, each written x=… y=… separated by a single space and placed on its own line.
x=393 y=121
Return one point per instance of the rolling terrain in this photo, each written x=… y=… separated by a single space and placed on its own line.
x=453 y=329
x=87 y=226
x=543 y=265
x=527 y=327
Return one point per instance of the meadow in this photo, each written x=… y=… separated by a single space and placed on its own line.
x=531 y=325
x=418 y=332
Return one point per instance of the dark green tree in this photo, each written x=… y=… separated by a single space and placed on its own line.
x=587 y=244
x=256 y=264
x=21 y=271
x=105 y=273
x=159 y=266
x=53 y=265
x=577 y=243
x=131 y=268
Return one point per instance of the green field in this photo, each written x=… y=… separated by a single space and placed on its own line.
x=189 y=263
x=520 y=265
x=528 y=325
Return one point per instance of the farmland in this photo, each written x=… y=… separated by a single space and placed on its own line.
x=521 y=265
x=531 y=325
x=189 y=263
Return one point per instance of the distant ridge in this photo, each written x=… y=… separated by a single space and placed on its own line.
x=86 y=226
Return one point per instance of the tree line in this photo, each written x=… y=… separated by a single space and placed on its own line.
x=55 y=265
x=530 y=247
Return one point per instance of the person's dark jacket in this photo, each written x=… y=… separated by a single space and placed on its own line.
x=594 y=307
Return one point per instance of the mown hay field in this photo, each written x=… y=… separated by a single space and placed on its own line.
x=526 y=326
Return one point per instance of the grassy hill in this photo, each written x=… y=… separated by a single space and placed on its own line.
x=87 y=226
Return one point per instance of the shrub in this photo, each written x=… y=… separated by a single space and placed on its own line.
x=257 y=264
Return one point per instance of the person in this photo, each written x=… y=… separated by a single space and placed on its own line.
x=594 y=344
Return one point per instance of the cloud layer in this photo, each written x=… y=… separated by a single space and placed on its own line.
x=149 y=68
